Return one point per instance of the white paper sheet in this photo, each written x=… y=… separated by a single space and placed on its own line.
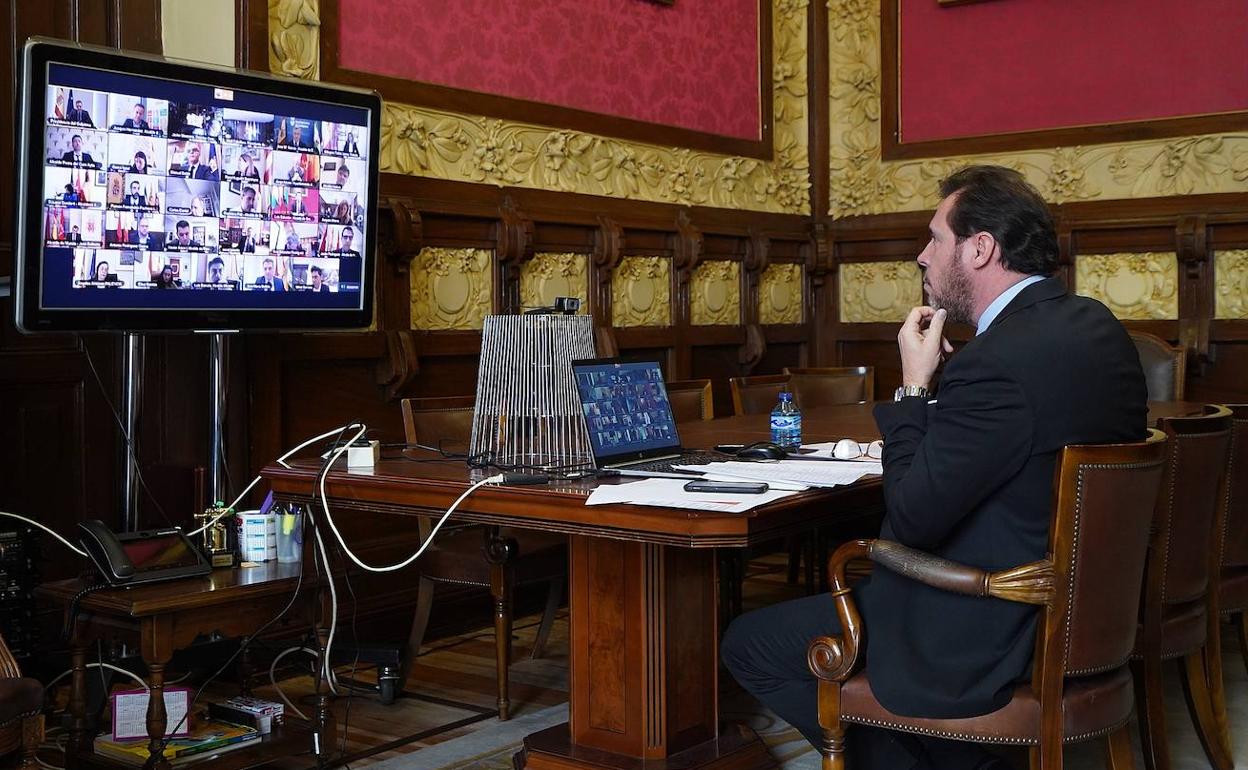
x=670 y=493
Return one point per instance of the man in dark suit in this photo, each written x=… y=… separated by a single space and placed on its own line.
x=134 y=197
x=967 y=476
x=79 y=115
x=197 y=170
x=76 y=155
x=139 y=121
x=75 y=235
x=142 y=237
x=269 y=279
x=344 y=248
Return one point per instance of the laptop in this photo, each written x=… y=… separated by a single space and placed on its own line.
x=629 y=418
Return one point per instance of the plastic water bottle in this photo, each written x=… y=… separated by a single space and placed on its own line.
x=786 y=423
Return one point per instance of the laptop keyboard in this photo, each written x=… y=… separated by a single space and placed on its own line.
x=666 y=466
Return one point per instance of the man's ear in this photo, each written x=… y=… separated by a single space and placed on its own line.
x=985 y=249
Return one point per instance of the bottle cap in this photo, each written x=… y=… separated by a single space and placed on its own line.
x=786 y=395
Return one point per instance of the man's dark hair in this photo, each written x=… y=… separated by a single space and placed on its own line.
x=182 y=223
x=216 y=260
x=318 y=271
x=998 y=200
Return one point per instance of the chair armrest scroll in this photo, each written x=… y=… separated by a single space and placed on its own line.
x=836 y=658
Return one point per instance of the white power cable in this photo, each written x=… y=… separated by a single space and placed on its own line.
x=118 y=669
x=68 y=544
x=281 y=461
x=273 y=677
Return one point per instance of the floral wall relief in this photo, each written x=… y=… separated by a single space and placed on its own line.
x=451 y=288
x=549 y=275
x=780 y=294
x=1231 y=284
x=862 y=182
x=1136 y=286
x=641 y=292
x=873 y=292
x=715 y=294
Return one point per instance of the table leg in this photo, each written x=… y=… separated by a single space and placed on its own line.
x=644 y=665
x=156 y=635
x=79 y=738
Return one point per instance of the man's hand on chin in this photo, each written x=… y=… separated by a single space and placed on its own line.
x=922 y=345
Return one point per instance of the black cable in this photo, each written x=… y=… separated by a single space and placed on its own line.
x=355 y=641
x=71 y=610
x=121 y=426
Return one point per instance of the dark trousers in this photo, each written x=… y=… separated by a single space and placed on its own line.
x=766 y=652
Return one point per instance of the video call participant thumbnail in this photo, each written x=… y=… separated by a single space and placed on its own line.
x=216 y=276
x=194 y=160
x=166 y=279
x=136 y=118
x=78 y=157
x=183 y=239
x=269 y=280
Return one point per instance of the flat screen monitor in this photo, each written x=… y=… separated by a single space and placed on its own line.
x=161 y=195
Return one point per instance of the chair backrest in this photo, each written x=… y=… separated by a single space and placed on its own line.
x=757 y=395
x=691 y=400
x=1188 y=508
x=1234 y=521
x=1165 y=366
x=830 y=385
x=1104 y=496
x=430 y=421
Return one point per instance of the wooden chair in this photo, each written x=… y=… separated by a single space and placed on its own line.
x=459 y=555
x=691 y=400
x=1178 y=615
x=21 y=711
x=1165 y=366
x=831 y=385
x=756 y=395
x=1233 y=532
x=1089 y=588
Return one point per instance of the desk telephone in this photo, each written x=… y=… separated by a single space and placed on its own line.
x=131 y=558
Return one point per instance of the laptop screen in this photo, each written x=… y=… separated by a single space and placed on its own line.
x=626 y=410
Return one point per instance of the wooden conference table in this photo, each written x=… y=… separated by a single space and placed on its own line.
x=644 y=635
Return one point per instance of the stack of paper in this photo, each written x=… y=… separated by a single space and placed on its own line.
x=670 y=493
x=812 y=473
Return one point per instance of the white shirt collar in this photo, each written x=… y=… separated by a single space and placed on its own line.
x=1004 y=298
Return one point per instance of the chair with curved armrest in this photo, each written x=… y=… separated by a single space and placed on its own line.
x=1088 y=590
x=691 y=400
x=1178 y=615
x=1165 y=366
x=757 y=395
x=460 y=555
x=1233 y=592
x=21 y=710
x=830 y=385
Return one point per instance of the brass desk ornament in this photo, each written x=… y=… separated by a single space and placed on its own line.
x=215 y=537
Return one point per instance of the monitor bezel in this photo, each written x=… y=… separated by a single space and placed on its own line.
x=28 y=246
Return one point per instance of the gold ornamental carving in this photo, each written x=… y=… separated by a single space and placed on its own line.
x=451 y=288
x=715 y=294
x=873 y=292
x=641 y=292
x=295 y=38
x=549 y=275
x=1136 y=286
x=780 y=294
x=1230 y=283
x=863 y=183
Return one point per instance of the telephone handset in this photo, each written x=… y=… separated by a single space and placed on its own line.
x=131 y=558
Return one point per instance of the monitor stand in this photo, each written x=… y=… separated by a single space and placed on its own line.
x=132 y=399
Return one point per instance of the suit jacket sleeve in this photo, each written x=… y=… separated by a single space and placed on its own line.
x=941 y=460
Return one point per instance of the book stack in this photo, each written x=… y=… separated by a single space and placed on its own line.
x=208 y=738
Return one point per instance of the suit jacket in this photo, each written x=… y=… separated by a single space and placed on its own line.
x=202 y=171
x=155 y=241
x=142 y=124
x=81 y=116
x=969 y=477
x=135 y=200
x=87 y=160
x=278 y=285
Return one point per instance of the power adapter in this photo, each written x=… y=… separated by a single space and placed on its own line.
x=522 y=479
x=363 y=454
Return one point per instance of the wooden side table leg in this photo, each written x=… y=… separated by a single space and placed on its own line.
x=79 y=739
x=157 y=719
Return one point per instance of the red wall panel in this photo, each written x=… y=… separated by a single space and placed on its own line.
x=693 y=64
x=1021 y=65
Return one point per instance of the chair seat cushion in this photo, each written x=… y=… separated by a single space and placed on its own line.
x=1094 y=705
x=19 y=698
x=458 y=556
x=1234 y=592
x=1182 y=630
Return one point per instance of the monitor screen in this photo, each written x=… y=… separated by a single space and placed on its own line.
x=160 y=195
x=626 y=408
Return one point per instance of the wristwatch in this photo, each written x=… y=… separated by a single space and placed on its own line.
x=906 y=391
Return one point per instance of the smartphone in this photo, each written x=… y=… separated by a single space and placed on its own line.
x=731 y=487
